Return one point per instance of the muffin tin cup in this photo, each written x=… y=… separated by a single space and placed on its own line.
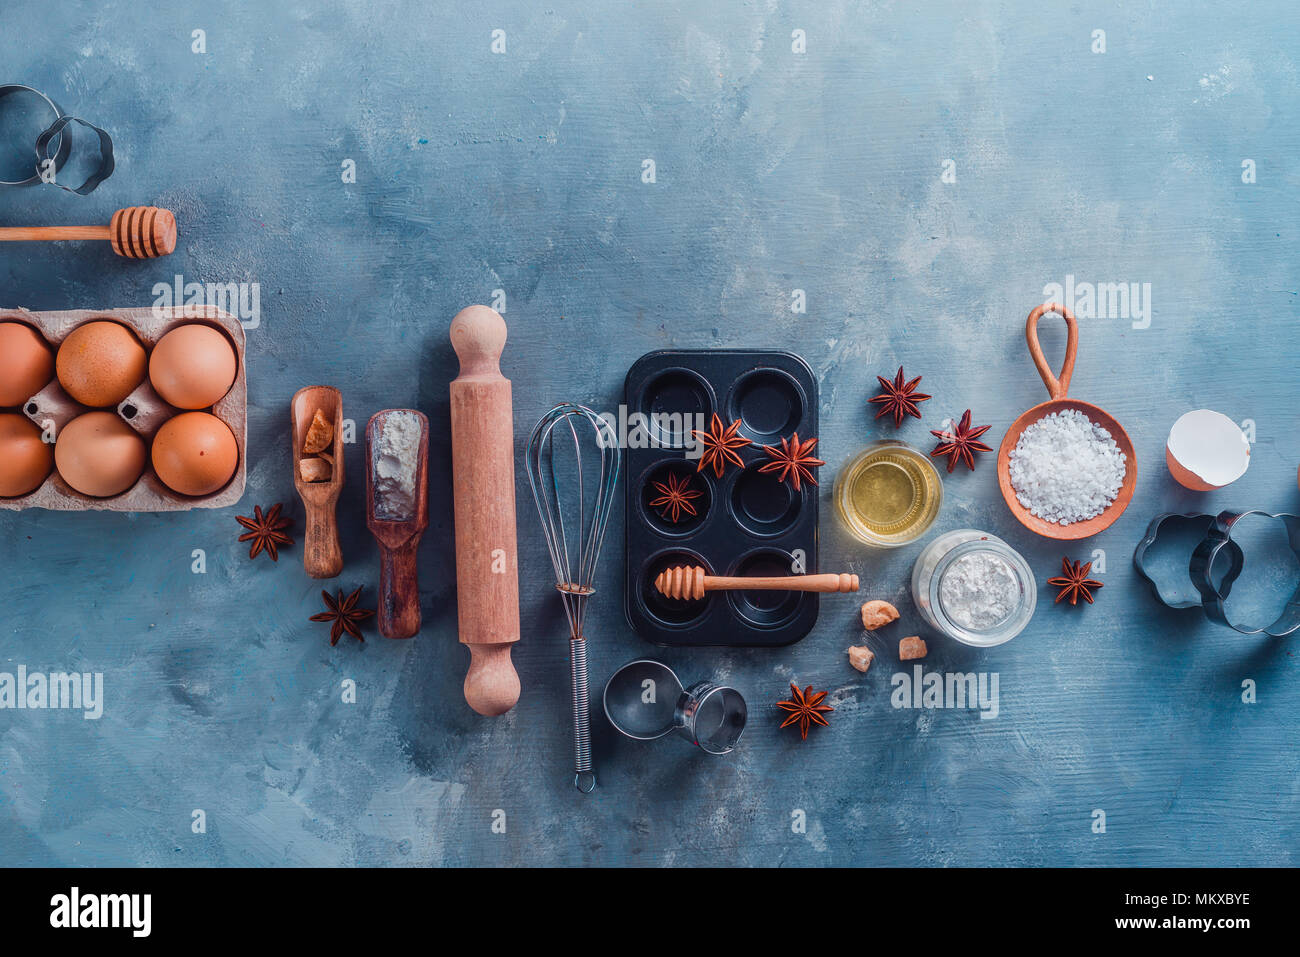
x=143 y=410
x=747 y=522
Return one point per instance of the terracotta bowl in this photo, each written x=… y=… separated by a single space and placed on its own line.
x=1057 y=387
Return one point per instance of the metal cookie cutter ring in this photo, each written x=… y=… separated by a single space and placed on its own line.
x=53 y=147
x=645 y=700
x=55 y=131
x=64 y=143
x=1218 y=540
x=1182 y=593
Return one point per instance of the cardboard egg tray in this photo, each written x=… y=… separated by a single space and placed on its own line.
x=142 y=410
x=746 y=523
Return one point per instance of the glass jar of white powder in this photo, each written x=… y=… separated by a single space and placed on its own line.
x=974 y=588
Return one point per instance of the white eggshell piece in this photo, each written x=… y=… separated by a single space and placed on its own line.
x=1211 y=446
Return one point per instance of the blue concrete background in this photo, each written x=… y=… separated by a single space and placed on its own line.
x=776 y=171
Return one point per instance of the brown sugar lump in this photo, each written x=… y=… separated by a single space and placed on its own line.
x=860 y=657
x=315 y=470
x=911 y=648
x=320 y=434
x=876 y=614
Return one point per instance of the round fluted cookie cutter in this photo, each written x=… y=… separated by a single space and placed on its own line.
x=1213 y=565
x=53 y=147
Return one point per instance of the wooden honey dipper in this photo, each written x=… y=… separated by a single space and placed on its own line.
x=689 y=582
x=137 y=232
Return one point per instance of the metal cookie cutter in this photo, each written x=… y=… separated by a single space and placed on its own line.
x=53 y=147
x=1213 y=564
x=645 y=700
x=1219 y=541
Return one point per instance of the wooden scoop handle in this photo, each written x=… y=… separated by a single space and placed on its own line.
x=1057 y=386
x=322 y=555
x=399 y=591
x=690 y=582
x=137 y=232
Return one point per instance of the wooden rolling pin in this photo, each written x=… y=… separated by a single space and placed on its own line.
x=137 y=232
x=483 y=487
x=690 y=582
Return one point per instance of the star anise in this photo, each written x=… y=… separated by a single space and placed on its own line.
x=793 y=460
x=675 y=497
x=266 y=532
x=805 y=708
x=899 y=398
x=960 y=444
x=345 y=615
x=1074 y=582
x=718 y=446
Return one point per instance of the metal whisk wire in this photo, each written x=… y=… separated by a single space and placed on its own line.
x=574 y=579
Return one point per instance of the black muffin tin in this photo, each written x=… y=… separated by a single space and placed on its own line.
x=748 y=523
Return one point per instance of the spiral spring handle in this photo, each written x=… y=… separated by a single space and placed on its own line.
x=584 y=778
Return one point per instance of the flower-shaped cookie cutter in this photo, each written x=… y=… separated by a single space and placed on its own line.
x=1217 y=562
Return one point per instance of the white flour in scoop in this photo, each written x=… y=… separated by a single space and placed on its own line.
x=395 y=452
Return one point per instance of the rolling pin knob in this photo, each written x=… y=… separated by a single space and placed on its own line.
x=491 y=684
x=478 y=334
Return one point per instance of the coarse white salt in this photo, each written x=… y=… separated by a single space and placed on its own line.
x=1065 y=468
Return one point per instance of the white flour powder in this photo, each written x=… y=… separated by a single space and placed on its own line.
x=396 y=451
x=979 y=591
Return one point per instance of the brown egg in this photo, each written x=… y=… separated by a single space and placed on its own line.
x=25 y=460
x=26 y=363
x=98 y=454
x=101 y=363
x=195 y=453
x=192 y=366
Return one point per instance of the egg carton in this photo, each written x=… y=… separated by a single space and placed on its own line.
x=142 y=410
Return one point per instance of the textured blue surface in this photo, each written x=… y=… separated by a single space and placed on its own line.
x=775 y=171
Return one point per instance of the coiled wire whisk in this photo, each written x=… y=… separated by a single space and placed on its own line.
x=573 y=503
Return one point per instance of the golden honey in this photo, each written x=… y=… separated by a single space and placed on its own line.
x=889 y=494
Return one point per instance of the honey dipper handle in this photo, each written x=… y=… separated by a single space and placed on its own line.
x=820 y=583
x=1057 y=386
x=399 y=591
x=14 y=234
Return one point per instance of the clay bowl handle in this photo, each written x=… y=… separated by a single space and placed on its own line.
x=1057 y=386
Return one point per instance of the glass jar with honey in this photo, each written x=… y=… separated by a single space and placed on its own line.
x=889 y=494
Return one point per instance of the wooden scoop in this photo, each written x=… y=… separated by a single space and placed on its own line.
x=689 y=582
x=399 y=541
x=322 y=555
x=137 y=232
